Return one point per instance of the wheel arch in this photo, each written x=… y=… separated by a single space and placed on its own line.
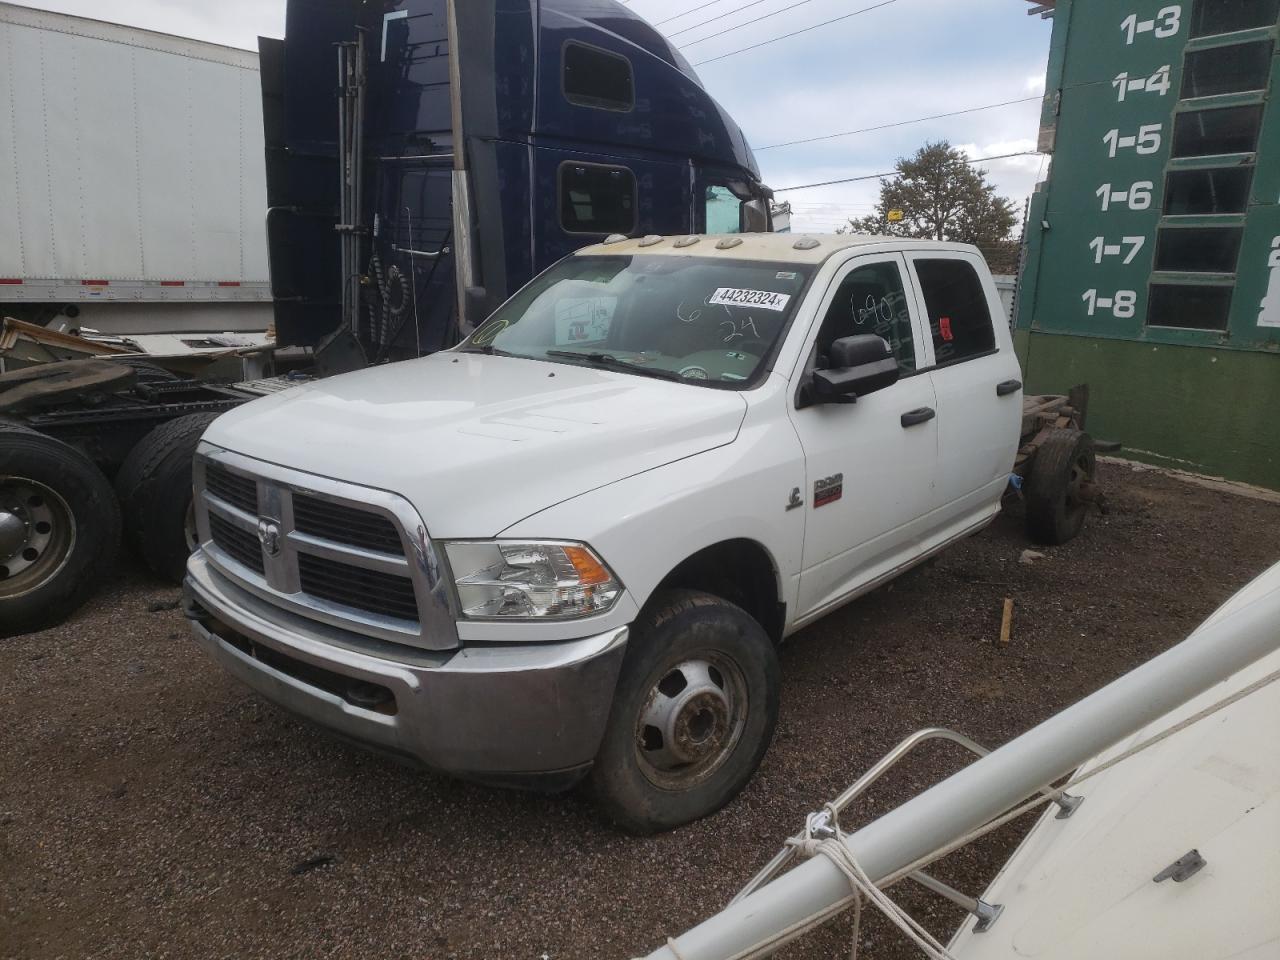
x=740 y=570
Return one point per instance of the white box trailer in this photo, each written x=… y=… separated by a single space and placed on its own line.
x=132 y=178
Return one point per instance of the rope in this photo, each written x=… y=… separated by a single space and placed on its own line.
x=1107 y=765
x=837 y=851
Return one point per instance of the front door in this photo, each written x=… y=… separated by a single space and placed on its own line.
x=871 y=464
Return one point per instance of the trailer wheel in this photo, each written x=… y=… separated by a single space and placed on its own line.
x=154 y=487
x=693 y=714
x=59 y=529
x=1063 y=465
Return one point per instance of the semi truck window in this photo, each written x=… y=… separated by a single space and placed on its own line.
x=959 y=318
x=723 y=210
x=597 y=199
x=597 y=78
x=870 y=299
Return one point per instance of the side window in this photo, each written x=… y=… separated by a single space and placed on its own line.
x=871 y=299
x=597 y=78
x=959 y=318
x=723 y=210
x=597 y=199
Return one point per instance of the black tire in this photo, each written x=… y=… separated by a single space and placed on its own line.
x=684 y=646
x=1062 y=463
x=154 y=487
x=66 y=531
x=148 y=371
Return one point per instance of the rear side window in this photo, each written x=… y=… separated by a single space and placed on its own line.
x=597 y=199
x=597 y=78
x=959 y=318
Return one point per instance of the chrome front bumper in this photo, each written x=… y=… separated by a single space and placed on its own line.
x=505 y=714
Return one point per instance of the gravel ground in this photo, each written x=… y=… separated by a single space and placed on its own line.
x=152 y=807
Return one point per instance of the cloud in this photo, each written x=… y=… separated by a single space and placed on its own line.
x=909 y=59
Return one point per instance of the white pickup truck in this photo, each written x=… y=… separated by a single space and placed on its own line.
x=569 y=546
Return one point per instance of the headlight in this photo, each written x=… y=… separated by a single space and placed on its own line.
x=506 y=578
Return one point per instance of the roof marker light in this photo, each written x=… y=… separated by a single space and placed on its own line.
x=650 y=240
x=686 y=241
x=728 y=243
x=614 y=238
x=805 y=243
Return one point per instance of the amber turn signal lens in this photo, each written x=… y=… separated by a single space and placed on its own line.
x=590 y=570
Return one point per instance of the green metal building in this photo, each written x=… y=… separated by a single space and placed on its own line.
x=1152 y=266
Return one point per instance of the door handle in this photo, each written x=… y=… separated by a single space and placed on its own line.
x=919 y=415
x=1008 y=387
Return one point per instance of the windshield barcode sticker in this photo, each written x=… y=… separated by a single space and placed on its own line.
x=737 y=297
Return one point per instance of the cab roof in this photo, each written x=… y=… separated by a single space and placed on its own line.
x=767 y=247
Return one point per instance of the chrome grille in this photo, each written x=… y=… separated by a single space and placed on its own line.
x=351 y=586
x=241 y=545
x=333 y=521
x=235 y=488
x=346 y=555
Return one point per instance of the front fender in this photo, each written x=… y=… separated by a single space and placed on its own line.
x=645 y=525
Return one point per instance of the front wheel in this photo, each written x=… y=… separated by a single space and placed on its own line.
x=694 y=712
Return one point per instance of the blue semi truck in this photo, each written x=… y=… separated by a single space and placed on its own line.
x=425 y=159
x=472 y=145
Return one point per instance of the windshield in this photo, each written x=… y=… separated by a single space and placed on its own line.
x=707 y=320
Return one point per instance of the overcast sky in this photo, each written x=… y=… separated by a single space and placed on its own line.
x=903 y=60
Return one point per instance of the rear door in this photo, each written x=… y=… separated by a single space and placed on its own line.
x=870 y=464
x=977 y=381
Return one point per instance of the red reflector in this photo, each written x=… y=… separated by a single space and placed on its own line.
x=95 y=283
x=9 y=280
x=228 y=283
x=173 y=283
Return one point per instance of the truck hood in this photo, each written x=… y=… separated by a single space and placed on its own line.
x=479 y=442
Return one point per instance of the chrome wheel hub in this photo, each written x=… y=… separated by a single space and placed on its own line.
x=36 y=534
x=13 y=534
x=691 y=721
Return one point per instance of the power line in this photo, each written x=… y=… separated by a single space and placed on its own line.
x=712 y=3
x=895 y=173
x=899 y=123
x=796 y=33
x=727 y=13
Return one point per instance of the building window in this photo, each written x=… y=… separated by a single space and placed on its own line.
x=1199 y=250
x=1235 y=69
x=1191 y=192
x=1211 y=17
x=597 y=199
x=959 y=317
x=1201 y=133
x=1189 y=306
x=597 y=78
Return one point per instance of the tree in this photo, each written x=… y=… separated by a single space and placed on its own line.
x=938 y=195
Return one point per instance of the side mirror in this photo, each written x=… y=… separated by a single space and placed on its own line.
x=755 y=216
x=858 y=366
